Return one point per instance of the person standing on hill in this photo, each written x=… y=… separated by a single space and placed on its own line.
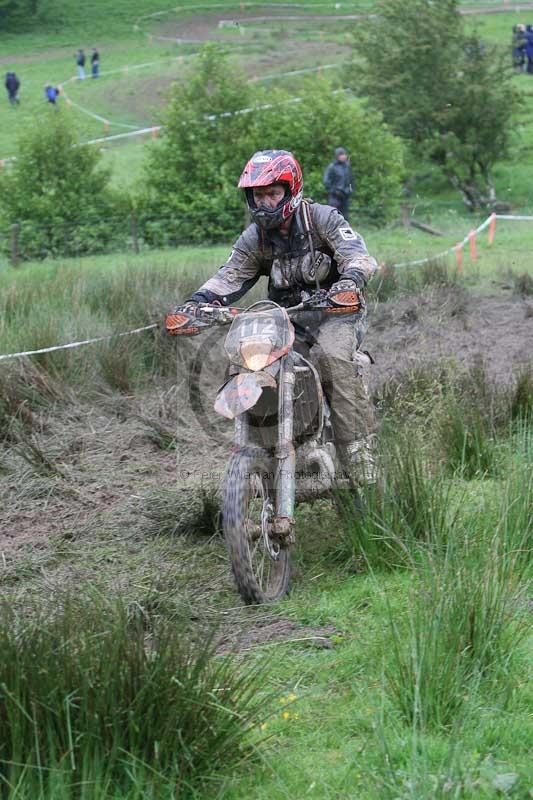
x=519 y=47
x=12 y=85
x=95 y=63
x=80 y=63
x=338 y=180
x=529 y=48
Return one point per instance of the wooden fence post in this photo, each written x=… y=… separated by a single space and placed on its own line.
x=15 y=253
x=134 y=238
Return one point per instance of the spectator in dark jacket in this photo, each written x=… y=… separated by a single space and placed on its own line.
x=338 y=180
x=12 y=85
x=95 y=63
x=519 y=47
x=80 y=63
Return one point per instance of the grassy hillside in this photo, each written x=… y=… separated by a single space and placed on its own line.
x=128 y=96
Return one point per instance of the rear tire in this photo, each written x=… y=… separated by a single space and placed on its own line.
x=260 y=565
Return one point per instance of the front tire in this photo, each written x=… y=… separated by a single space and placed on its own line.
x=260 y=564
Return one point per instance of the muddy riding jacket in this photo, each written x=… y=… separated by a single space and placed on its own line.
x=320 y=242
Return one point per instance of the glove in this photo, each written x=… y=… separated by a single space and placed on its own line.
x=345 y=285
x=194 y=306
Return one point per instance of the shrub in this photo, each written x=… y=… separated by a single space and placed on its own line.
x=59 y=196
x=464 y=127
x=17 y=14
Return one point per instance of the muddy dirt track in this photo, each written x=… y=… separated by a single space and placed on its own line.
x=105 y=451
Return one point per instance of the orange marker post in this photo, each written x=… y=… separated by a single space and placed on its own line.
x=473 y=251
x=106 y=126
x=154 y=134
x=492 y=228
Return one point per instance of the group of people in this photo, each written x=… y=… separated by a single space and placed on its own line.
x=523 y=48
x=81 y=61
x=51 y=92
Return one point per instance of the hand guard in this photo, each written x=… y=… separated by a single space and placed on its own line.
x=181 y=320
x=193 y=317
x=346 y=294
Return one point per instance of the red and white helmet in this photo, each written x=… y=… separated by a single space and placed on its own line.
x=265 y=168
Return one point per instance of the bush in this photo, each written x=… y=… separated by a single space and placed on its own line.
x=59 y=196
x=193 y=173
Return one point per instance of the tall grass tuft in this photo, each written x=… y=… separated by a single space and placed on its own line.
x=465 y=618
x=409 y=509
x=467 y=438
x=97 y=702
x=521 y=405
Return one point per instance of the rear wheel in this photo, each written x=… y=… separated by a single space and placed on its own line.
x=260 y=561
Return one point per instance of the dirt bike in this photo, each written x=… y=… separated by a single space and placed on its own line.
x=284 y=448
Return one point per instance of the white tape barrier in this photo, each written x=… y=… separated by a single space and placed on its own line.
x=450 y=249
x=462 y=243
x=72 y=345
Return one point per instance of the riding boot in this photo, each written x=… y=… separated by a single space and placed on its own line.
x=359 y=460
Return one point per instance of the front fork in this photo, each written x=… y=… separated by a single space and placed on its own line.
x=285 y=454
x=285 y=483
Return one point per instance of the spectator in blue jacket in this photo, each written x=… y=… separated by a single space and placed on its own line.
x=338 y=180
x=529 y=48
x=51 y=93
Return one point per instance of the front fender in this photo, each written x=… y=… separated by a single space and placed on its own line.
x=242 y=392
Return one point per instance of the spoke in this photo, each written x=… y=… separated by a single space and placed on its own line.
x=258 y=551
x=260 y=571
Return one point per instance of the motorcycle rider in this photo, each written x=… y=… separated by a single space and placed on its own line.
x=298 y=244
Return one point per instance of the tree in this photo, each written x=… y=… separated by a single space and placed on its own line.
x=59 y=194
x=192 y=174
x=441 y=89
x=326 y=118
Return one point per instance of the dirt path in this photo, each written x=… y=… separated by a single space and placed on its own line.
x=110 y=463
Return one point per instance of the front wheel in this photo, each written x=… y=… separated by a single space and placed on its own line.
x=260 y=562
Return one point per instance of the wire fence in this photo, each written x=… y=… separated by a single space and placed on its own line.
x=138 y=232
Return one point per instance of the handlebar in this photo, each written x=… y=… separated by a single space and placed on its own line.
x=190 y=320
